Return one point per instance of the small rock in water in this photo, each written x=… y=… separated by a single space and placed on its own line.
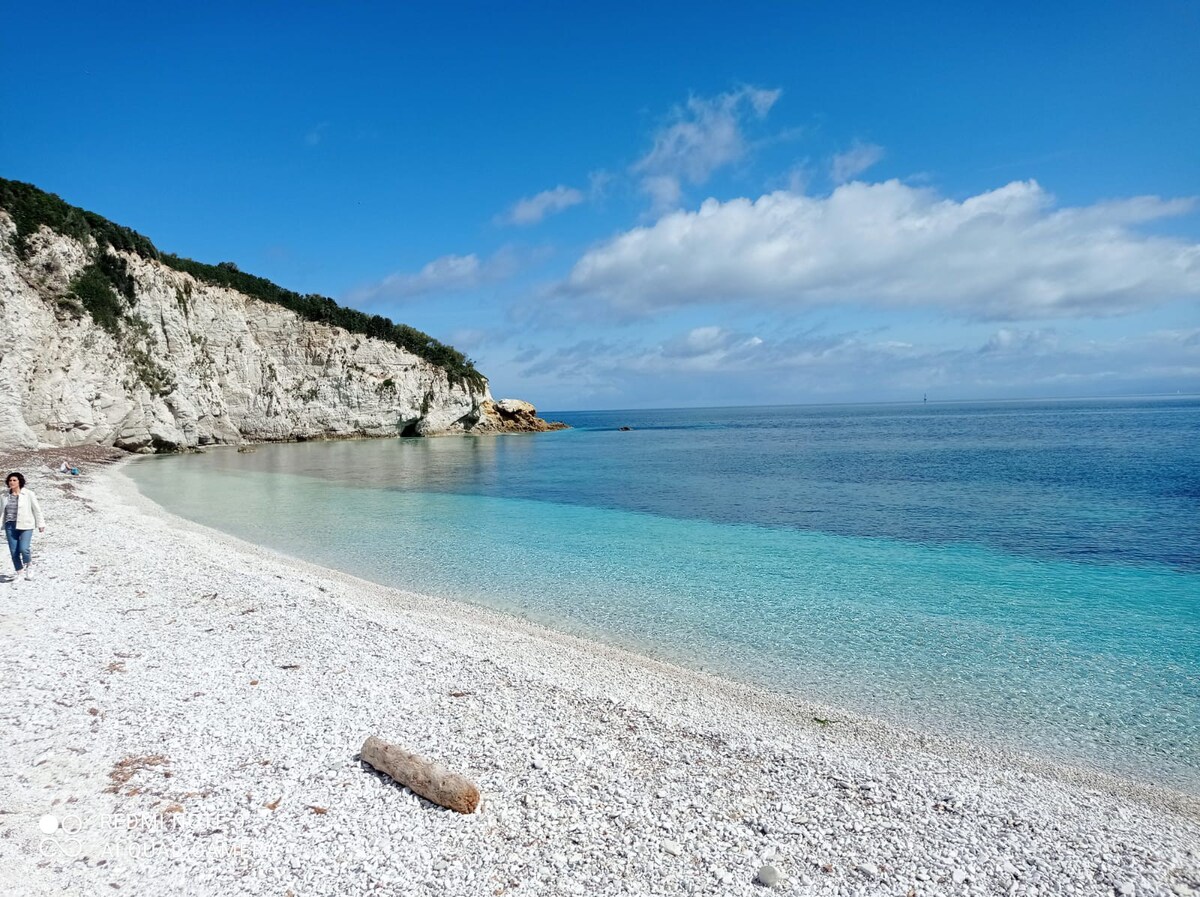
x=768 y=876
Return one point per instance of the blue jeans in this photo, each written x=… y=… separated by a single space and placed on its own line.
x=19 y=542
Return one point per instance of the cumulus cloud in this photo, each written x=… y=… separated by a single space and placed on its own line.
x=701 y=136
x=446 y=274
x=1007 y=254
x=854 y=161
x=533 y=209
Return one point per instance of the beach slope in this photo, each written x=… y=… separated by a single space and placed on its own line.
x=182 y=714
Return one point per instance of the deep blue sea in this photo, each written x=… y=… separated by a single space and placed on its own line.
x=1018 y=572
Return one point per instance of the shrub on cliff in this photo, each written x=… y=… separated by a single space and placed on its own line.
x=31 y=208
x=95 y=292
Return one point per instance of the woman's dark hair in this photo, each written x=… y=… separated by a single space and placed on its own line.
x=20 y=478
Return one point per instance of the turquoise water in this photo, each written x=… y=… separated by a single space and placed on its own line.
x=1024 y=573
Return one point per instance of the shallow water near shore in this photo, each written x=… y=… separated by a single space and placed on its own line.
x=1025 y=573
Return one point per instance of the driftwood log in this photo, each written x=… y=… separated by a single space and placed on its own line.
x=430 y=780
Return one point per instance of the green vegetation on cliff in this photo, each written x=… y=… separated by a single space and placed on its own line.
x=101 y=284
x=95 y=293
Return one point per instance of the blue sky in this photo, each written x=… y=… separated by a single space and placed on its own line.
x=649 y=205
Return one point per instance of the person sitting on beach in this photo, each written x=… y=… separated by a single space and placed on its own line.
x=20 y=512
x=64 y=467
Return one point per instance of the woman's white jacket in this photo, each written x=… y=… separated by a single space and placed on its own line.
x=29 y=512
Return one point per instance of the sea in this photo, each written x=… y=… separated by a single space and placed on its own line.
x=1020 y=573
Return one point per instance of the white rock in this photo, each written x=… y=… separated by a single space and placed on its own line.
x=238 y=368
x=769 y=876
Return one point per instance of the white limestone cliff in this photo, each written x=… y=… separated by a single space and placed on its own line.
x=210 y=365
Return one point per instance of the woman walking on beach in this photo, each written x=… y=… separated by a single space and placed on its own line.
x=21 y=513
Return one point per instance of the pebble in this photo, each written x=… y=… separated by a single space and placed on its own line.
x=768 y=876
x=672 y=847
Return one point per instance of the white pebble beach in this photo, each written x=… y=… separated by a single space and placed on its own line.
x=182 y=714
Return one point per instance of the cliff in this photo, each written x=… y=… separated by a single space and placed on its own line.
x=104 y=341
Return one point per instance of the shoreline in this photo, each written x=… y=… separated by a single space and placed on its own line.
x=799 y=709
x=1177 y=784
x=625 y=772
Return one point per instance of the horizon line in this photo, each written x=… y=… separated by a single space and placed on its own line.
x=1084 y=398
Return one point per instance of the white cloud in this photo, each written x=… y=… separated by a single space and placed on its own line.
x=799 y=176
x=701 y=136
x=446 y=274
x=533 y=209
x=854 y=161
x=1008 y=254
x=707 y=348
x=1007 y=340
x=712 y=364
x=665 y=190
